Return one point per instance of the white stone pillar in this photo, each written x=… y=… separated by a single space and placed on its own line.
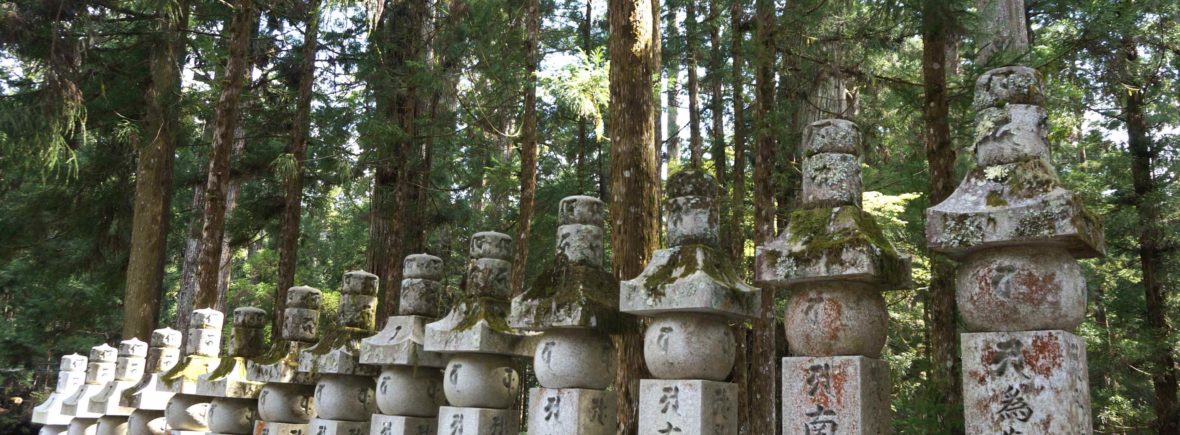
x=691 y=290
x=835 y=262
x=344 y=393
x=1020 y=291
x=481 y=381
x=233 y=396
x=285 y=402
x=129 y=369
x=574 y=303
x=409 y=388
x=187 y=413
x=70 y=377
x=145 y=397
x=99 y=372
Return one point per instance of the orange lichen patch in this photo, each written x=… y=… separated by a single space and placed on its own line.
x=1044 y=355
x=833 y=324
x=839 y=378
x=978 y=375
x=1037 y=288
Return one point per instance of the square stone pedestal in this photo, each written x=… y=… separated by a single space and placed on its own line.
x=398 y=425
x=477 y=421
x=1030 y=382
x=830 y=395
x=571 y=411
x=272 y=428
x=319 y=426
x=689 y=406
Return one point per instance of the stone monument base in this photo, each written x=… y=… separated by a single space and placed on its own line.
x=112 y=425
x=55 y=429
x=274 y=428
x=839 y=394
x=1030 y=382
x=83 y=426
x=688 y=406
x=145 y=422
x=399 y=425
x=571 y=411
x=477 y=421
x=320 y=426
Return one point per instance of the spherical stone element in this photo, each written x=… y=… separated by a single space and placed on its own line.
x=1021 y=289
x=836 y=319
x=304 y=297
x=689 y=346
x=831 y=179
x=231 y=415
x=111 y=425
x=286 y=403
x=103 y=353
x=424 y=266
x=490 y=244
x=481 y=381
x=578 y=209
x=166 y=337
x=419 y=297
x=580 y=243
x=1011 y=134
x=250 y=317
x=188 y=412
x=831 y=136
x=410 y=391
x=575 y=358
x=692 y=219
x=206 y=318
x=359 y=282
x=133 y=348
x=300 y=324
x=690 y=182
x=344 y=397
x=83 y=426
x=144 y=422
x=1008 y=85
x=73 y=363
x=488 y=277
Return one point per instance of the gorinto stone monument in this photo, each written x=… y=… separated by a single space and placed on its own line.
x=285 y=402
x=187 y=413
x=145 y=396
x=71 y=376
x=231 y=410
x=129 y=369
x=99 y=372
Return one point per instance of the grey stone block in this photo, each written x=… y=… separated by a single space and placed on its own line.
x=228 y=380
x=571 y=411
x=830 y=395
x=831 y=180
x=274 y=428
x=696 y=278
x=400 y=425
x=111 y=425
x=477 y=421
x=400 y=343
x=280 y=365
x=183 y=377
x=668 y=406
x=337 y=427
x=480 y=329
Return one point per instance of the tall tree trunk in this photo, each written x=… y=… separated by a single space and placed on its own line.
x=716 y=100
x=528 y=145
x=153 y=175
x=225 y=268
x=584 y=124
x=940 y=308
x=763 y=379
x=293 y=191
x=1002 y=32
x=672 y=55
x=691 y=54
x=188 y=266
x=225 y=127
x=737 y=11
x=1151 y=252
x=633 y=199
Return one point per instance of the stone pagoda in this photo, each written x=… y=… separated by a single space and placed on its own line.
x=573 y=302
x=691 y=291
x=1020 y=291
x=285 y=403
x=71 y=376
x=99 y=372
x=145 y=397
x=344 y=399
x=234 y=396
x=835 y=262
x=187 y=413
x=481 y=381
x=409 y=389
x=129 y=369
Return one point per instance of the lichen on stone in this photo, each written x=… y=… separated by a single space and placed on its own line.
x=568 y=286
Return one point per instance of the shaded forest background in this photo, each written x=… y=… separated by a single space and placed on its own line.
x=160 y=155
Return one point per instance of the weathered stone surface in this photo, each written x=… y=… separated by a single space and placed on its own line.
x=423 y=266
x=692 y=220
x=696 y=278
x=276 y=428
x=580 y=244
x=99 y=372
x=280 y=364
x=111 y=425
x=344 y=397
x=1008 y=85
x=689 y=346
x=129 y=369
x=481 y=381
x=183 y=377
x=204 y=333
x=690 y=182
x=83 y=426
x=400 y=343
x=231 y=416
x=477 y=421
x=488 y=277
x=162 y=355
x=201 y=353
x=476 y=327
x=402 y=425
x=229 y=379
x=70 y=379
x=688 y=407
x=490 y=244
x=54 y=430
x=830 y=395
x=188 y=412
x=1032 y=382
x=1011 y=134
x=359 y=282
x=574 y=358
x=286 y=403
x=831 y=180
x=831 y=136
x=571 y=411
x=836 y=318
x=579 y=209
x=410 y=391
x=339 y=351
x=1021 y=289
x=146 y=422
x=247 y=338
x=320 y=426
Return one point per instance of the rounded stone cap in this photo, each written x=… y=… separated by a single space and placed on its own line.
x=73 y=363
x=249 y=317
x=691 y=182
x=359 y=282
x=490 y=244
x=103 y=353
x=304 y=297
x=206 y=318
x=133 y=347
x=422 y=266
x=580 y=209
x=166 y=337
x=1008 y=85
x=831 y=136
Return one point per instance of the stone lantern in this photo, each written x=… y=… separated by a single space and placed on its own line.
x=186 y=411
x=232 y=408
x=99 y=372
x=71 y=376
x=129 y=369
x=145 y=397
x=691 y=291
x=285 y=402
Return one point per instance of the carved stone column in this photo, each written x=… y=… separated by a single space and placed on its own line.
x=129 y=369
x=145 y=397
x=285 y=402
x=187 y=413
x=70 y=377
x=234 y=396
x=99 y=372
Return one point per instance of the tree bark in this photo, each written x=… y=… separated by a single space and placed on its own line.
x=738 y=200
x=691 y=54
x=584 y=125
x=763 y=379
x=1002 y=32
x=633 y=198
x=225 y=127
x=528 y=145
x=717 y=102
x=672 y=57
x=940 y=308
x=293 y=191
x=153 y=176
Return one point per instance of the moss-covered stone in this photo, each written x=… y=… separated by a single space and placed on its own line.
x=569 y=287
